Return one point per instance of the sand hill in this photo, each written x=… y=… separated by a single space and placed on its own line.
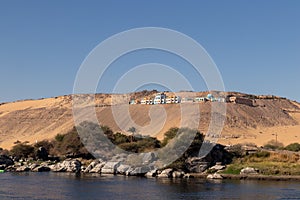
x=35 y=120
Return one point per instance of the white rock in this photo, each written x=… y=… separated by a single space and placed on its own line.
x=249 y=170
x=214 y=176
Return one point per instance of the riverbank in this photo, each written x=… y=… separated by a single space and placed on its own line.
x=250 y=177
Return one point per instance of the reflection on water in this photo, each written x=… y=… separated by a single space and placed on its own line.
x=93 y=186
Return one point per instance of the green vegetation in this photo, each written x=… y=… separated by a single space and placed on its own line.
x=59 y=137
x=293 y=147
x=138 y=145
x=268 y=163
x=169 y=135
x=70 y=144
x=22 y=150
x=273 y=145
x=176 y=138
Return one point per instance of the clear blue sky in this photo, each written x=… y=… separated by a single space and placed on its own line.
x=255 y=44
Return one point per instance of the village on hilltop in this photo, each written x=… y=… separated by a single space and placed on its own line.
x=163 y=98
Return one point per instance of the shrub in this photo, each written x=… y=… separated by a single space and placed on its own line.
x=140 y=144
x=59 y=137
x=120 y=138
x=69 y=144
x=273 y=145
x=170 y=134
x=262 y=154
x=44 y=143
x=236 y=150
x=22 y=151
x=293 y=147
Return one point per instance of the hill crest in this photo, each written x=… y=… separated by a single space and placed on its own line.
x=35 y=120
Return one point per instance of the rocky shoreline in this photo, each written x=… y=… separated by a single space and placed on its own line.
x=101 y=167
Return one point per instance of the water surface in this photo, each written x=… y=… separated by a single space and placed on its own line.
x=68 y=186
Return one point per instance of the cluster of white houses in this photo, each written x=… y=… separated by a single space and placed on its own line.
x=162 y=98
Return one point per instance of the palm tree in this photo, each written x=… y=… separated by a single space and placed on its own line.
x=132 y=130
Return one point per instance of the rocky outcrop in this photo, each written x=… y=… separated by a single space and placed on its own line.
x=197 y=164
x=216 y=168
x=217 y=155
x=110 y=167
x=68 y=165
x=41 y=169
x=124 y=169
x=5 y=161
x=42 y=153
x=22 y=169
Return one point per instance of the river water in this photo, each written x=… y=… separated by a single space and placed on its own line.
x=68 y=186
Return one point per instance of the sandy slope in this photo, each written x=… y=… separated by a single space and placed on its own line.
x=35 y=120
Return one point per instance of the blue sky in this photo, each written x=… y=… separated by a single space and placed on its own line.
x=255 y=44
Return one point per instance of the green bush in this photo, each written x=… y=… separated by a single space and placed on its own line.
x=293 y=147
x=44 y=143
x=120 y=138
x=69 y=143
x=59 y=137
x=169 y=135
x=273 y=145
x=22 y=151
x=262 y=154
x=232 y=169
x=139 y=145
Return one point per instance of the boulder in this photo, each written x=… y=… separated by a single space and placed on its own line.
x=110 y=167
x=152 y=173
x=149 y=158
x=214 y=176
x=41 y=169
x=197 y=164
x=218 y=167
x=167 y=173
x=91 y=166
x=68 y=165
x=122 y=169
x=42 y=153
x=188 y=176
x=177 y=174
x=119 y=157
x=140 y=171
x=23 y=168
x=97 y=168
x=129 y=171
x=249 y=170
x=6 y=161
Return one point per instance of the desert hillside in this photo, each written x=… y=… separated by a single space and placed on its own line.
x=35 y=120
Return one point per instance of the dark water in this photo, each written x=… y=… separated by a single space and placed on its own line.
x=68 y=186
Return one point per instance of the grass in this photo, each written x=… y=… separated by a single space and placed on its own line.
x=268 y=163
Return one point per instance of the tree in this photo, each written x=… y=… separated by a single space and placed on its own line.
x=22 y=151
x=132 y=130
x=273 y=145
x=293 y=147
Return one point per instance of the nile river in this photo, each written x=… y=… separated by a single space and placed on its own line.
x=68 y=186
